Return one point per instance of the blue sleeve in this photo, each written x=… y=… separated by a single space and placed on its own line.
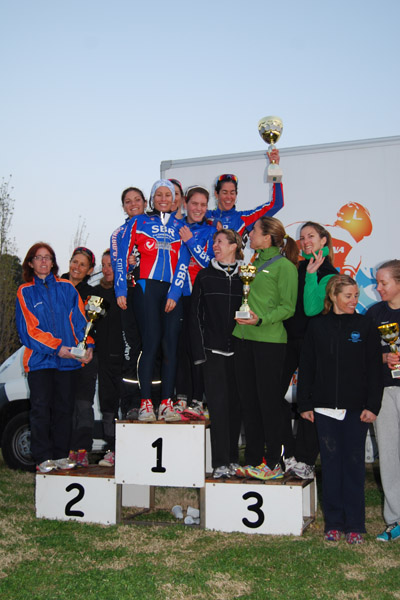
x=122 y=255
x=202 y=248
x=180 y=274
x=272 y=206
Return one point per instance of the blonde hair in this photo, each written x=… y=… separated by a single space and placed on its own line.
x=394 y=268
x=334 y=287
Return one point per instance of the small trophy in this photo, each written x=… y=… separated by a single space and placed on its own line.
x=246 y=274
x=96 y=307
x=390 y=334
x=270 y=129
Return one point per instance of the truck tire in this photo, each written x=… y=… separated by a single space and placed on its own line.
x=16 y=443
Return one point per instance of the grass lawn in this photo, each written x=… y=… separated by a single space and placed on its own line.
x=51 y=560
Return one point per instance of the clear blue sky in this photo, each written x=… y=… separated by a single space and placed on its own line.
x=95 y=94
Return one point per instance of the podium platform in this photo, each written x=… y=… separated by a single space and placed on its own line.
x=150 y=455
x=278 y=507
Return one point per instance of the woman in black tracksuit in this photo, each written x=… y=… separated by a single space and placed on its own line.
x=340 y=389
x=217 y=294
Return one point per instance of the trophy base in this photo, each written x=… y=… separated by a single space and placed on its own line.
x=242 y=314
x=78 y=352
x=396 y=374
x=274 y=173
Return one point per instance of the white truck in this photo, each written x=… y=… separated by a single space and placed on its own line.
x=351 y=187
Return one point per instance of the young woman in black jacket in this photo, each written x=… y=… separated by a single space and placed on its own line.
x=216 y=296
x=340 y=389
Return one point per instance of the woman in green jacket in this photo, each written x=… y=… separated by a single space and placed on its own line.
x=261 y=345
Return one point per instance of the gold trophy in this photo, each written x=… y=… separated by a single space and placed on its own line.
x=390 y=334
x=95 y=308
x=246 y=274
x=270 y=129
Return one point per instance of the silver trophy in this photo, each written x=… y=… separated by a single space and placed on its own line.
x=95 y=308
x=270 y=129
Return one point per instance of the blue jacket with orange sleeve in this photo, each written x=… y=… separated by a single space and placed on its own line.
x=49 y=314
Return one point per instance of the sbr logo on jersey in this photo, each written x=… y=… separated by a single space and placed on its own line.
x=150 y=244
x=163 y=229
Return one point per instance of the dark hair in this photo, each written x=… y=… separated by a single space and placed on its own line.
x=132 y=189
x=106 y=253
x=223 y=179
x=322 y=232
x=86 y=252
x=394 y=267
x=279 y=238
x=233 y=238
x=27 y=270
x=196 y=189
x=178 y=184
x=334 y=287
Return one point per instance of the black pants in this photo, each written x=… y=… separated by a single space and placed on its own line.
x=112 y=393
x=224 y=408
x=52 y=404
x=258 y=372
x=189 y=377
x=83 y=417
x=342 y=446
x=305 y=446
x=157 y=327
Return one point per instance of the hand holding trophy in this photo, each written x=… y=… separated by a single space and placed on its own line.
x=95 y=307
x=246 y=274
x=390 y=334
x=270 y=129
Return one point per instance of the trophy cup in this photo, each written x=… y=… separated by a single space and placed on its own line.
x=390 y=334
x=246 y=274
x=270 y=129
x=95 y=308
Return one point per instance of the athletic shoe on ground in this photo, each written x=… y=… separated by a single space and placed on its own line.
x=146 y=411
x=233 y=467
x=82 y=459
x=132 y=414
x=108 y=459
x=303 y=471
x=265 y=473
x=166 y=412
x=46 y=466
x=73 y=455
x=333 y=535
x=195 y=411
x=290 y=464
x=242 y=471
x=65 y=463
x=221 y=472
x=354 y=538
x=391 y=533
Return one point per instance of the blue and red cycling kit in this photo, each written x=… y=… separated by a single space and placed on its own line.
x=243 y=220
x=199 y=251
x=156 y=237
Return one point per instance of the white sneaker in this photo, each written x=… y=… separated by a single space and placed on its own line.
x=221 y=472
x=167 y=413
x=290 y=464
x=146 y=411
x=304 y=471
x=108 y=459
x=46 y=466
x=64 y=463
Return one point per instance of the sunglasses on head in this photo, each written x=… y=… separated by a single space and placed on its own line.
x=228 y=177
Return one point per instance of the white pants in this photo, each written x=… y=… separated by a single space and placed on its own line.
x=387 y=430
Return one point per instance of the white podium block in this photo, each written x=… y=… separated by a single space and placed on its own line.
x=78 y=496
x=136 y=495
x=208 y=451
x=267 y=508
x=160 y=454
